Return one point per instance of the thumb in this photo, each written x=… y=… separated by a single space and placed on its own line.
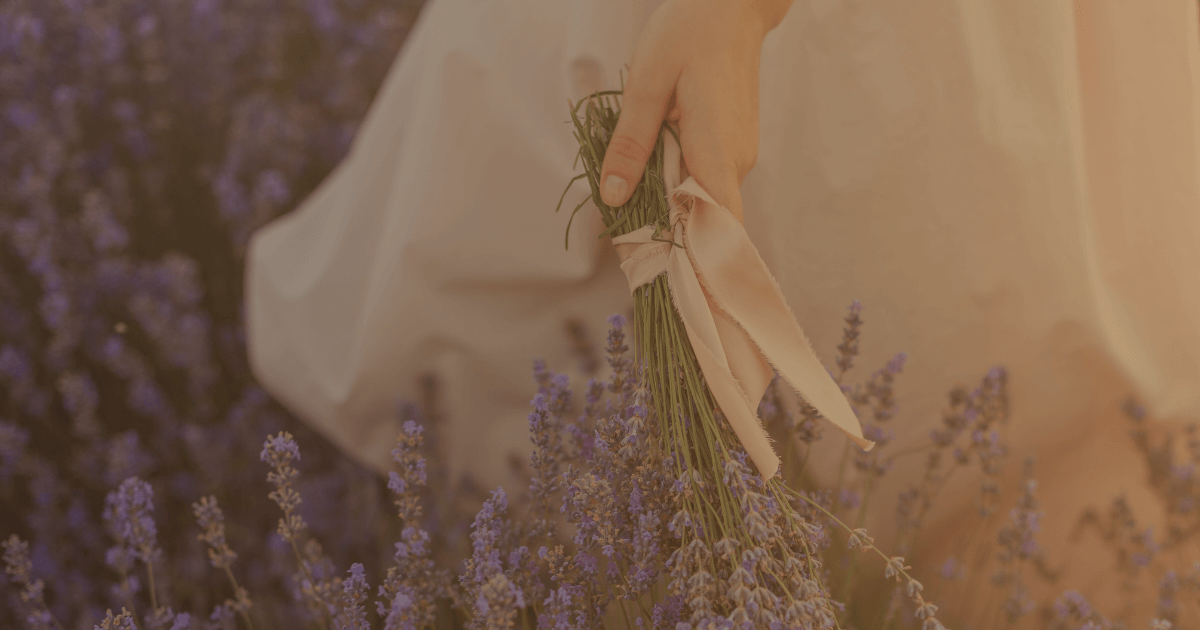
x=643 y=107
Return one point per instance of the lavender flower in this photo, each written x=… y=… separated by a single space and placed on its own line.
x=951 y=569
x=279 y=452
x=545 y=428
x=495 y=598
x=1072 y=610
x=123 y=621
x=222 y=618
x=848 y=349
x=316 y=583
x=497 y=603
x=410 y=590
x=412 y=472
x=620 y=364
x=486 y=534
x=129 y=512
x=1018 y=545
x=354 y=592
x=1132 y=547
x=19 y=569
x=212 y=522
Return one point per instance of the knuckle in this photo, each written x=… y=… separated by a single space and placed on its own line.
x=626 y=151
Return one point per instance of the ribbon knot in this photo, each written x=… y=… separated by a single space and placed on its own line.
x=736 y=318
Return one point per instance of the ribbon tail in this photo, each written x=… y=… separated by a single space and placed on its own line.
x=697 y=317
x=751 y=371
x=741 y=285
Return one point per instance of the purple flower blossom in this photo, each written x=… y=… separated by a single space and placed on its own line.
x=896 y=365
x=486 y=533
x=19 y=569
x=412 y=472
x=397 y=614
x=951 y=569
x=212 y=521
x=123 y=621
x=848 y=349
x=354 y=593
x=129 y=512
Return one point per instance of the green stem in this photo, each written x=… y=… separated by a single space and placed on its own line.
x=624 y=613
x=150 y=581
x=862 y=516
x=311 y=581
x=834 y=518
x=129 y=599
x=804 y=461
x=245 y=613
x=841 y=472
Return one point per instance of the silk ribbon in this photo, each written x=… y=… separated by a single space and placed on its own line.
x=736 y=318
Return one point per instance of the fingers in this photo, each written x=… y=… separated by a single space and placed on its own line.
x=719 y=177
x=719 y=143
x=643 y=107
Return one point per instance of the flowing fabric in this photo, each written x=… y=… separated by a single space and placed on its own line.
x=1000 y=183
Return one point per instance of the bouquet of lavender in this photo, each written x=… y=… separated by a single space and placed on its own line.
x=746 y=551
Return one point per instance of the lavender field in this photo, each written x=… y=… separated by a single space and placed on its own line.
x=147 y=481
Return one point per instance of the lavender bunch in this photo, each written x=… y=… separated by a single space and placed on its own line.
x=701 y=442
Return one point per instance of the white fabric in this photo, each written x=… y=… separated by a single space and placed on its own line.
x=1009 y=183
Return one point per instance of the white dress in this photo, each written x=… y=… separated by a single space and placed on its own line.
x=999 y=183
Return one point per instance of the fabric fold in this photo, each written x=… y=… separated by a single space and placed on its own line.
x=740 y=327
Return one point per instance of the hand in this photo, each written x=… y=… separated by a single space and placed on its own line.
x=695 y=64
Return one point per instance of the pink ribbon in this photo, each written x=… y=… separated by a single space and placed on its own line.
x=736 y=317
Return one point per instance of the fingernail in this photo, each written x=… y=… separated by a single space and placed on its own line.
x=614 y=190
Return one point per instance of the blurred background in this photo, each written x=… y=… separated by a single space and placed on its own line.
x=141 y=142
